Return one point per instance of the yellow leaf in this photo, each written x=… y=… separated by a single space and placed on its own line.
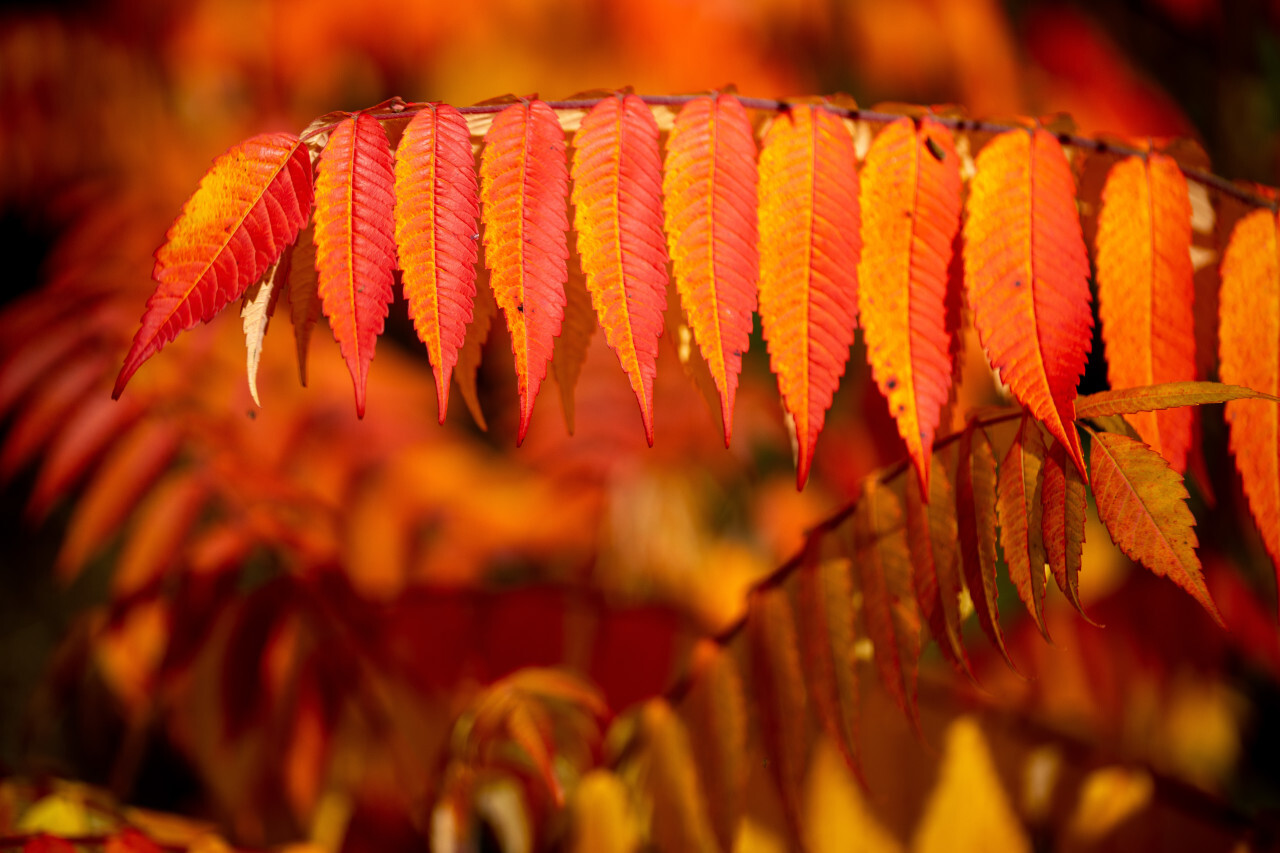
x=602 y=819
x=968 y=808
x=61 y=813
x=1108 y=797
x=836 y=814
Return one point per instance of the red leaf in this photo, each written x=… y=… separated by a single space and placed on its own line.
x=1062 y=522
x=1020 y=511
x=523 y=184
x=1143 y=504
x=1028 y=275
x=976 y=522
x=617 y=197
x=304 y=295
x=910 y=216
x=933 y=537
x=248 y=208
x=826 y=628
x=1146 y=291
x=710 y=195
x=436 y=234
x=355 y=245
x=809 y=243
x=1249 y=338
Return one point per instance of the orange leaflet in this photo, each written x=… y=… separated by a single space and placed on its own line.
x=883 y=560
x=248 y=208
x=355 y=247
x=1146 y=291
x=1020 y=512
x=976 y=524
x=304 y=296
x=809 y=242
x=910 y=217
x=710 y=193
x=1143 y=504
x=935 y=557
x=715 y=710
x=1064 y=503
x=1249 y=335
x=436 y=213
x=617 y=194
x=523 y=184
x=575 y=336
x=1028 y=275
x=826 y=600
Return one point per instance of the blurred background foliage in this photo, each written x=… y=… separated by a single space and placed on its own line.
x=298 y=626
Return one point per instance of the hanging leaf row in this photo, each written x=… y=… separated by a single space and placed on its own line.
x=796 y=227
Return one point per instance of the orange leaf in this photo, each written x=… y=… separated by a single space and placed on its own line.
x=1065 y=500
x=883 y=559
x=1249 y=336
x=304 y=295
x=1019 y=506
x=710 y=195
x=679 y=806
x=933 y=536
x=617 y=197
x=1146 y=292
x=469 y=353
x=436 y=234
x=1150 y=398
x=523 y=184
x=910 y=216
x=780 y=692
x=715 y=709
x=1143 y=504
x=826 y=605
x=575 y=336
x=355 y=245
x=976 y=521
x=249 y=206
x=809 y=243
x=1028 y=275
x=77 y=447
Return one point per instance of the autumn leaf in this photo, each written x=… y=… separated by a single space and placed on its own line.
x=601 y=819
x=910 y=215
x=826 y=600
x=1150 y=398
x=1145 y=290
x=464 y=373
x=976 y=491
x=249 y=206
x=575 y=335
x=809 y=242
x=1064 y=505
x=617 y=197
x=523 y=184
x=355 y=241
x=679 y=806
x=709 y=187
x=255 y=314
x=715 y=710
x=304 y=295
x=1143 y=504
x=933 y=537
x=1249 y=347
x=436 y=214
x=1028 y=275
x=1019 y=506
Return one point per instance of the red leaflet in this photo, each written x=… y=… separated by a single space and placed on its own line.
x=355 y=248
x=1145 y=291
x=304 y=296
x=910 y=216
x=933 y=538
x=826 y=600
x=976 y=523
x=1249 y=336
x=1065 y=501
x=1028 y=275
x=523 y=184
x=617 y=196
x=710 y=198
x=248 y=208
x=436 y=234
x=809 y=241
x=1019 y=506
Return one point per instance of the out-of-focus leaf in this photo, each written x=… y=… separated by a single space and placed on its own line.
x=1150 y=398
x=601 y=819
x=1021 y=514
x=679 y=808
x=715 y=710
x=1108 y=797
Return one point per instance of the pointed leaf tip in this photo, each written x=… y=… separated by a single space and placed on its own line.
x=808 y=241
x=355 y=242
x=249 y=207
x=523 y=191
x=617 y=197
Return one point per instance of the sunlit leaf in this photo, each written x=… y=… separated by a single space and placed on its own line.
x=1020 y=510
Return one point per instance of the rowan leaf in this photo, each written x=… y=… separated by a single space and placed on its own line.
x=1020 y=509
x=780 y=692
x=1143 y=503
x=249 y=206
x=910 y=216
x=523 y=187
x=1249 y=347
x=826 y=627
x=437 y=236
x=809 y=242
x=355 y=240
x=715 y=709
x=1150 y=398
x=255 y=314
x=883 y=560
x=1146 y=292
x=617 y=197
x=304 y=295
x=933 y=537
x=1064 y=506
x=976 y=490
x=1028 y=275
x=709 y=187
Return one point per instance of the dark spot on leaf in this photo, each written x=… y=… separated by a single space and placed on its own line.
x=520 y=307
x=253 y=416
x=892 y=383
x=935 y=149
x=1017 y=282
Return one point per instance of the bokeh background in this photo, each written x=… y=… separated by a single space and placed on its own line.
x=252 y=616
